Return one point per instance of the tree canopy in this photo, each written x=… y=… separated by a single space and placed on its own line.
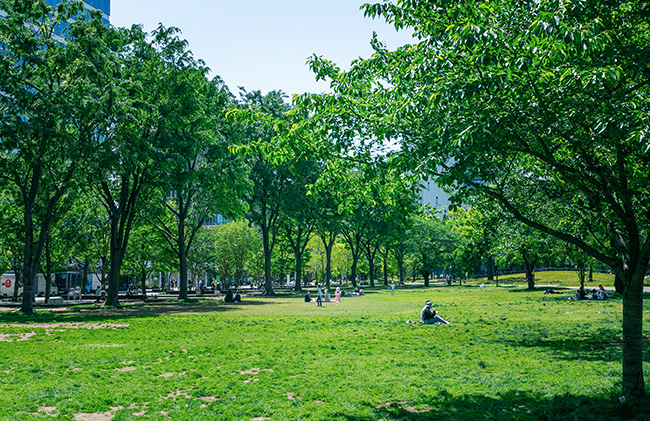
x=539 y=105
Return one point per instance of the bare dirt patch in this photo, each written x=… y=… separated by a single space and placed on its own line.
x=106 y=416
x=177 y=394
x=400 y=405
x=255 y=370
x=50 y=411
x=210 y=399
x=51 y=327
x=71 y=325
x=15 y=337
x=166 y=375
x=292 y=397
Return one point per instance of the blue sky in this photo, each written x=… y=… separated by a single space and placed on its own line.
x=263 y=44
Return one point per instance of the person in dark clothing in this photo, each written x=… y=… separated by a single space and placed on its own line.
x=307 y=297
x=429 y=315
x=229 y=298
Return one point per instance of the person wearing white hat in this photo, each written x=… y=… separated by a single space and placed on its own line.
x=429 y=315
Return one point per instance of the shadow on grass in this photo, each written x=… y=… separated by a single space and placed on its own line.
x=511 y=406
x=129 y=311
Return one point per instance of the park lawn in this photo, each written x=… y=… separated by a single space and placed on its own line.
x=509 y=354
x=564 y=278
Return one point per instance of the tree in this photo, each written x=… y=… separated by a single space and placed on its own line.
x=328 y=226
x=268 y=166
x=539 y=106
x=201 y=174
x=125 y=175
x=432 y=239
x=236 y=244
x=520 y=243
x=144 y=251
x=300 y=210
x=54 y=103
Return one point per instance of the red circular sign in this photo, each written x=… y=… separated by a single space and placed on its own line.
x=8 y=283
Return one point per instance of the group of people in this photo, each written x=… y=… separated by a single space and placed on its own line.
x=229 y=298
x=324 y=296
x=595 y=294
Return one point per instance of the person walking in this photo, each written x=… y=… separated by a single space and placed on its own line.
x=392 y=288
x=319 y=297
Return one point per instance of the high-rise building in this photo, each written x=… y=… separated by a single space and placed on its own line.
x=102 y=5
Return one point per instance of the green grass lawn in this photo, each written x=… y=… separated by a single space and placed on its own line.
x=560 y=278
x=509 y=354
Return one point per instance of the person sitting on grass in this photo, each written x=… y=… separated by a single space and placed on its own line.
x=581 y=294
x=429 y=315
x=601 y=294
x=229 y=298
x=327 y=298
x=307 y=297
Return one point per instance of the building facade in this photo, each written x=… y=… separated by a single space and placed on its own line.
x=434 y=196
x=102 y=5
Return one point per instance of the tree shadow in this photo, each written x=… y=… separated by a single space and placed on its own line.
x=509 y=406
x=128 y=312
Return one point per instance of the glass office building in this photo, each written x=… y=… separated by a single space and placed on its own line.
x=103 y=5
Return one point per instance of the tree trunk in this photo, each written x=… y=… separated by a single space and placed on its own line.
x=328 y=242
x=48 y=271
x=530 y=269
x=182 y=260
x=633 y=382
x=27 y=306
x=298 y=270
x=530 y=277
x=353 y=271
x=266 y=243
x=425 y=275
x=400 y=267
x=112 y=298
x=386 y=268
x=143 y=281
x=490 y=268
